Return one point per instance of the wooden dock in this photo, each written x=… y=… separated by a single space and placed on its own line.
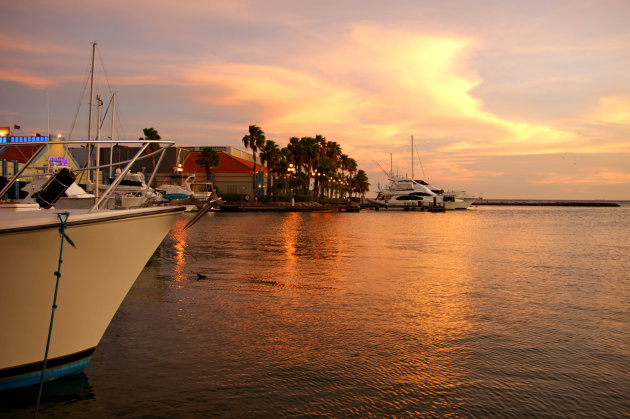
x=289 y=208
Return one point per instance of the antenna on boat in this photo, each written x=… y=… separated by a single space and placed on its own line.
x=382 y=169
x=391 y=165
x=421 y=166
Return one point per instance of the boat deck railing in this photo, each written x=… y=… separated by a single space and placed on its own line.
x=96 y=143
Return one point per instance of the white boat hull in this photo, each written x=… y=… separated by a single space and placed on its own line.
x=90 y=291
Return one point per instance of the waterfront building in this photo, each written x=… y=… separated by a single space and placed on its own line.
x=233 y=175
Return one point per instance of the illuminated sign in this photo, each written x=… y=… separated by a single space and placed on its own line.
x=5 y=131
x=60 y=161
x=17 y=140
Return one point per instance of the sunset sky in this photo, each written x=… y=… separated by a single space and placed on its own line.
x=511 y=99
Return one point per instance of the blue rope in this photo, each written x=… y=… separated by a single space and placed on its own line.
x=64 y=237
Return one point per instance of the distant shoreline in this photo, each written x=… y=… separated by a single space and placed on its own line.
x=545 y=203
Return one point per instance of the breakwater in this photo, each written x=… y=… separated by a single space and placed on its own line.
x=545 y=203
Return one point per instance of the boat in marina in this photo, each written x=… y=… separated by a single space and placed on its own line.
x=191 y=193
x=131 y=192
x=190 y=187
x=57 y=326
x=406 y=194
x=410 y=193
x=452 y=199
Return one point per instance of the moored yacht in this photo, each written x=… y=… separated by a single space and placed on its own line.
x=57 y=323
x=406 y=190
x=452 y=199
x=407 y=194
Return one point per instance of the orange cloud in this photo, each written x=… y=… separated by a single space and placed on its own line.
x=612 y=110
x=592 y=175
x=25 y=77
x=39 y=47
x=378 y=84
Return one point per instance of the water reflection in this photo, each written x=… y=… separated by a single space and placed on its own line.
x=178 y=235
x=288 y=235
x=59 y=398
x=481 y=313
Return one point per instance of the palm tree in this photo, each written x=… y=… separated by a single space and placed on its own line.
x=208 y=158
x=296 y=153
x=360 y=182
x=344 y=161
x=150 y=134
x=270 y=154
x=321 y=147
x=255 y=140
x=352 y=166
x=328 y=170
x=333 y=151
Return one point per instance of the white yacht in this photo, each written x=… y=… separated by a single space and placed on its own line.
x=452 y=199
x=131 y=192
x=55 y=314
x=403 y=191
x=407 y=194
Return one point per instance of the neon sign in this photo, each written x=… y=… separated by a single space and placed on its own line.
x=31 y=139
x=59 y=161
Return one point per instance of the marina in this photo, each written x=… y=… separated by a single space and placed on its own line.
x=209 y=230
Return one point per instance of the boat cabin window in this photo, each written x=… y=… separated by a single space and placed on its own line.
x=408 y=198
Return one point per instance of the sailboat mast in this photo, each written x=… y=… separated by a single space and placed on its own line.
x=89 y=147
x=91 y=91
x=412 y=176
x=111 y=145
x=99 y=102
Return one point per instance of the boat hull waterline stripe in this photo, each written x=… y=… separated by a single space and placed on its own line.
x=26 y=375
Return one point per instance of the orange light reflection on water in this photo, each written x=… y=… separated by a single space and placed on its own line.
x=179 y=236
x=289 y=236
x=426 y=286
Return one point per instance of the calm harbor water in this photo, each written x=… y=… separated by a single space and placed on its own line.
x=495 y=311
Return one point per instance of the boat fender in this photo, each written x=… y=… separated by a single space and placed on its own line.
x=54 y=188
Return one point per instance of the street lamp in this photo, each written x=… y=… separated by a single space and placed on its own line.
x=291 y=172
x=180 y=169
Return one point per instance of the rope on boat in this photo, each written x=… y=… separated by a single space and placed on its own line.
x=63 y=218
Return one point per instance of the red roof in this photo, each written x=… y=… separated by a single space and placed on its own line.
x=21 y=153
x=227 y=164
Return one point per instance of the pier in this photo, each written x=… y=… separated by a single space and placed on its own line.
x=289 y=208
